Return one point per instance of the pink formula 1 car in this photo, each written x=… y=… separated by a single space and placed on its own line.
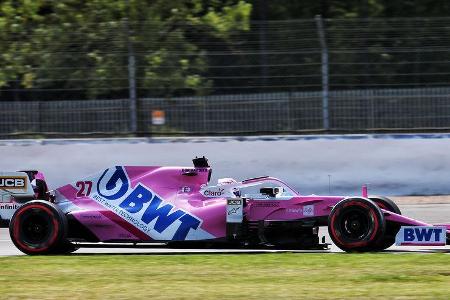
x=178 y=206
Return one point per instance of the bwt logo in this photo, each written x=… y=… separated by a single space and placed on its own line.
x=421 y=235
x=114 y=185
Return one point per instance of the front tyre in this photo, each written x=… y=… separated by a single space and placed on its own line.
x=386 y=203
x=356 y=224
x=392 y=228
x=38 y=227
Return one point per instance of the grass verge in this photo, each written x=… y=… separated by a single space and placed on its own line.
x=233 y=276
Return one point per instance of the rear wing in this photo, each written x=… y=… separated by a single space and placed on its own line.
x=15 y=184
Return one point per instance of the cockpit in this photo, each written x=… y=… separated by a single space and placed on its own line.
x=259 y=188
x=266 y=188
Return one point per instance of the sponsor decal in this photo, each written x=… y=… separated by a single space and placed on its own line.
x=13 y=182
x=194 y=170
x=214 y=192
x=234 y=201
x=9 y=206
x=7 y=210
x=421 y=236
x=185 y=189
x=308 y=210
x=235 y=211
x=143 y=208
x=94 y=217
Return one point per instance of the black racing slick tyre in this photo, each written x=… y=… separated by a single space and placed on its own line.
x=39 y=227
x=356 y=224
x=392 y=228
x=386 y=203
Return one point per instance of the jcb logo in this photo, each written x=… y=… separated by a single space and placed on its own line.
x=13 y=183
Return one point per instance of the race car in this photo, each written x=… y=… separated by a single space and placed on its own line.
x=180 y=207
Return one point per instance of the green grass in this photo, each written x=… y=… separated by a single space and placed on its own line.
x=233 y=276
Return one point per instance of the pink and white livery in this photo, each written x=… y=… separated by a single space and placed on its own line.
x=179 y=206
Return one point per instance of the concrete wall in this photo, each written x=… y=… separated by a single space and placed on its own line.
x=390 y=164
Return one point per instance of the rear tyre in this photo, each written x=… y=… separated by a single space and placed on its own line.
x=392 y=228
x=356 y=224
x=38 y=227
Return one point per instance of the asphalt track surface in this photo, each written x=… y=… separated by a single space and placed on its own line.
x=430 y=213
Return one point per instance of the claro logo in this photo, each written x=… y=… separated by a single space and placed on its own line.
x=13 y=183
x=214 y=192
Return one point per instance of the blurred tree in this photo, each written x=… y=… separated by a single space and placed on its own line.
x=292 y=9
x=81 y=47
